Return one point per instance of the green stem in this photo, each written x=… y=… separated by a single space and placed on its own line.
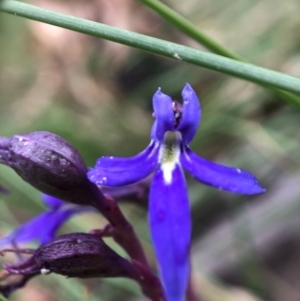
x=188 y=28
x=192 y=31
x=178 y=52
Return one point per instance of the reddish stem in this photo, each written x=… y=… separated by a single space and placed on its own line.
x=124 y=235
x=123 y=232
x=191 y=294
x=150 y=284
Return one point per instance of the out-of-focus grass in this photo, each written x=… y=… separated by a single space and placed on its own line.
x=97 y=95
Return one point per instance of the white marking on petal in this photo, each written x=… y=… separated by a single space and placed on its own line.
x=238 y=170
x=169 y=155
x=167 y=169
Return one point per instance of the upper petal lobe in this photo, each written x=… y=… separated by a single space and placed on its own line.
x=222 y=177
x=163 y=110
x=191 y=114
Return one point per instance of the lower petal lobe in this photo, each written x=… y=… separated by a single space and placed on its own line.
x=116 y=171
x=170 y=225
x=231 y=179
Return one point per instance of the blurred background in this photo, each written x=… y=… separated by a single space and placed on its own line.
x=97 y=95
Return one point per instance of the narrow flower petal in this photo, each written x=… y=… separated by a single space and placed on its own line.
x=163 y=110
x=116 y=171
x=51 y=201
x=170 y=226
x=222 y=177
x=191 y=115
x=43 y=227
x=3 y=190
x=153 y=131
x=35 y=229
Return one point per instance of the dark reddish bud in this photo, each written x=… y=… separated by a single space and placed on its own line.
x=75 y=255
x=49 y=163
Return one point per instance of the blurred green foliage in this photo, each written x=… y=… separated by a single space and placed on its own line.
x=97 y=95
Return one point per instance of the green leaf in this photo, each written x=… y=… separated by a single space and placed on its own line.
x=192 y=31
x=172 y=50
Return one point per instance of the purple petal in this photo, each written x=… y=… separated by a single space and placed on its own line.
x=170 y=226
x=135 y=191
x=116 y=171
x=43 y=227
x=3 y=190
x=222 y=177
x=32 y=230
x=153 y=131
x=191 y=115
x=163 y=110
x=51 y=201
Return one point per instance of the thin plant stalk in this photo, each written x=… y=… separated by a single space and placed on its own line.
x=175 y=51
x=197 y=35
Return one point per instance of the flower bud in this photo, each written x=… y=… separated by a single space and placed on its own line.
x=49 y=163
x=75 y=255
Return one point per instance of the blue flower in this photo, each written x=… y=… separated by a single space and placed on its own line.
x=167 y=154
x=43 y=227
